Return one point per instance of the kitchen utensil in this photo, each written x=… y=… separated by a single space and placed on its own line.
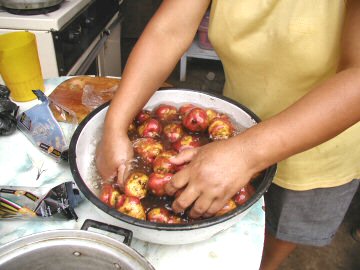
x=73 y=249
x=81 y=155
x=29 y=4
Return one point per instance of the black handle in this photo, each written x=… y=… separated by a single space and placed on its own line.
x=108 y=228
x=64 y=156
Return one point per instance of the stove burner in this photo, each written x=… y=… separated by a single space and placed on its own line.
x=35 y=11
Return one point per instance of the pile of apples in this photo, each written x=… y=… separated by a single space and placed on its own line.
x=157 y=135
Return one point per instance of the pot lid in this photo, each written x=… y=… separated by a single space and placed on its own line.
x=70 y=249
x=29 y=4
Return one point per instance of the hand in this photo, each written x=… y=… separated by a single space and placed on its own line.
x=112 y=156
x=215 y=173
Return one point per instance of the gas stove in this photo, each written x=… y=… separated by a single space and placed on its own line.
x=54 y=20
x=80 y=37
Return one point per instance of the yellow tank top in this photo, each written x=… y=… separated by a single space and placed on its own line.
x=273 y=52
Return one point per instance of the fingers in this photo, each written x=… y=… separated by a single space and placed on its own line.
x=178 y=181
x=102 y=167
x=201 y=206
x=204 y=205
x=122 y=173
x=186 y=198
x=103 y=170
x=184 y=156
x=112 y=164
x=215 y=207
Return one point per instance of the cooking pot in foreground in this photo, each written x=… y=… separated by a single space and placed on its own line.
x=81 y=158
x=73 y=249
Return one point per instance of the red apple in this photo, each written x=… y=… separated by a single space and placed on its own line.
x=230 y=205
x=142 y=116
x=133 y=207
x=244 y=194
x=148 y=149
x=109 y=194
x=211 y=114
x=220 y=129
x=131 y=127
x=224 y=117
x=183 y=110
x=157 y=183
x=173 y=132
x=186 y=142
x=120 y=200
x=151 y=128
x=174 y=220
x=159 y=215
x=166 y=112
x=136 y=185
x=196 y=120
x=162 y=162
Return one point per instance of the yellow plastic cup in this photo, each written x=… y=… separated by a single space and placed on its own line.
x=20 y=65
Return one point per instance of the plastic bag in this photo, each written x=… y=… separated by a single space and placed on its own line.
x=33 y=202
x=8 y=112
x=93 y=99
x=42 y=129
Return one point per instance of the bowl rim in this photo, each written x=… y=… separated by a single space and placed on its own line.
x=261 y=189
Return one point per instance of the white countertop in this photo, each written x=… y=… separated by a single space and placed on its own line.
x=43 y=22
x=240 y=245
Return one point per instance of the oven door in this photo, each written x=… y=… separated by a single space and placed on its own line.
x=80 y=41
x=92 y=61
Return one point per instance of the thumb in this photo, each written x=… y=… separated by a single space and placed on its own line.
x=123 y=172
x=184 y=156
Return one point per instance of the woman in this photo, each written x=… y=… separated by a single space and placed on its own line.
x=294 y=63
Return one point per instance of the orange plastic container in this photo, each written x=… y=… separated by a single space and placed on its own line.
x=20 y=66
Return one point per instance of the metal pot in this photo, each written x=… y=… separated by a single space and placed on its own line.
x=73 y=249
x=29 y=4
x=82 y=150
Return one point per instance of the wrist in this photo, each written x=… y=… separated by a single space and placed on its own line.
x=252 y=146
x=116 y=123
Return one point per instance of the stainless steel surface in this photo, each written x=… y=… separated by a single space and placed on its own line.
x=70 y=249
x=30 y=4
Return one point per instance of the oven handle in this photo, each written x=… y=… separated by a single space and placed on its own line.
x=97 y=48
x=92 y=55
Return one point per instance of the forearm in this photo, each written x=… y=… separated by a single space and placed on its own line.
x=138 y=83
x=163 y=42
x=148 y=66
x=320 y=115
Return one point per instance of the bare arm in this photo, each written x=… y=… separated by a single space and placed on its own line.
x=323 y=113
x=164 y=40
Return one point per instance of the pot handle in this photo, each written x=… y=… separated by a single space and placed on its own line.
x=108 y=228
x=64 y=156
